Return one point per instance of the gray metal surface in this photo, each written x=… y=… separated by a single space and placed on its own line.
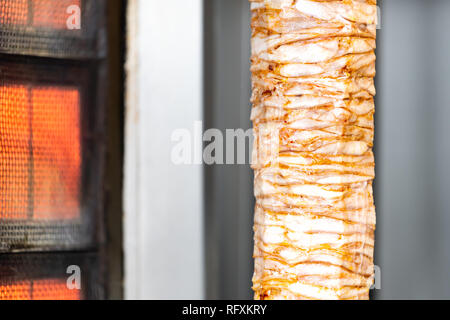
x=228 y=188
x=413 y=149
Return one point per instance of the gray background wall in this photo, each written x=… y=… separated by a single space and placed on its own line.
x=412 y=150
x=228 y=188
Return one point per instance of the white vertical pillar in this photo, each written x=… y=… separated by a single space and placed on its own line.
x=163 y=220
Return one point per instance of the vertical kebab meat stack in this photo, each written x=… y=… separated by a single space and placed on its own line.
x=313 y=65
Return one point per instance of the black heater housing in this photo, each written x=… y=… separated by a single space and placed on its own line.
x=90 y=59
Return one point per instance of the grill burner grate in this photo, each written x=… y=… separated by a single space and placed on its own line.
x=40 y=28
x=53 y=73
x=49 y=153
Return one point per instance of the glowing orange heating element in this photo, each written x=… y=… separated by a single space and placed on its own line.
x=14 y=12
x=40 y=153
x=52 y=14
x=49 y=289
x=16 y=291
x=54 y=289
x=14 y=152
x=56 y=153
x=37 y=13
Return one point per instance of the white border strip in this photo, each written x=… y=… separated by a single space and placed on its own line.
x=163 y=222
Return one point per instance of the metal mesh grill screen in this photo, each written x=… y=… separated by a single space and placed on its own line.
x=45 y=276
x=40 y=157
x=52 y=28
x=48 y=289
x=15 y=151
x=54 y=14
x=14 y=12
x=20 y=290
x=49 y=157
x=52 y=95
x=56 y=152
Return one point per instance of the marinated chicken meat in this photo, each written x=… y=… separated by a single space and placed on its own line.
x=313 y=65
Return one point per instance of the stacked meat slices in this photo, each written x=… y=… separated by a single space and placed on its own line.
x=313 y=65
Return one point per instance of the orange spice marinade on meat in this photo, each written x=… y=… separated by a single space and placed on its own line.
x=313 y=64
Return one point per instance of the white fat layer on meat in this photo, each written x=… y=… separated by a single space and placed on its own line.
x=358 y=12
x=311 y=52
x=265 y=187
x=322 y=293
